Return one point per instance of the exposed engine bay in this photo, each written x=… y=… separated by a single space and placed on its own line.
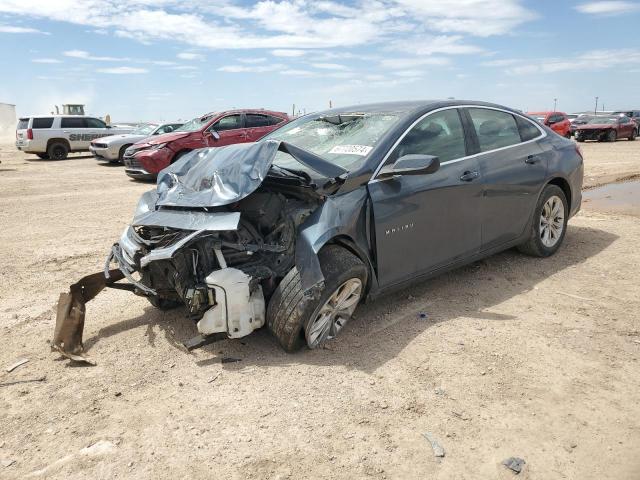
x=217 y=235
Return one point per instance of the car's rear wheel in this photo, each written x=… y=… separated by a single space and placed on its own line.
x=632 y=137
x=296 y=317
x=612 y=136
x=568 y=134
x=549 y=223
x=58 y=151
x=43 y=156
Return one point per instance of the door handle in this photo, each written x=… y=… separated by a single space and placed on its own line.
x=469 y=176
x=531 y=160
x=65 y=131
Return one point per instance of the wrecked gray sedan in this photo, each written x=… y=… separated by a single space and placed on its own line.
x=334 y=207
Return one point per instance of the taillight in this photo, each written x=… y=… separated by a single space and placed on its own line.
x=29 y=134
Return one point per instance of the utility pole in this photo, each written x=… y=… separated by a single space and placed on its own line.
x=330 y=104
x=595 y=110
x=555 y=103
x=293 y=110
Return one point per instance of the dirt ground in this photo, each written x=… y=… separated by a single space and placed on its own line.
x=518 y=357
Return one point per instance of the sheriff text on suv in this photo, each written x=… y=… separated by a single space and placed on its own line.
x=55 y=136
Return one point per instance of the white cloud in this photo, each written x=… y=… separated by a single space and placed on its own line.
x=252 y=60
x=409 y=73
x=413 y=62
x=608 y=8
x=298 y=73
x=45 y=60
x=474 y=17
x=506 y=62
x=183 y=67
x=330 y=66
x=87 y=56
x=190 y=56
x=13 y=29
x=123 y=70
x=284 y=52
x=250 y=68
x=588 y=61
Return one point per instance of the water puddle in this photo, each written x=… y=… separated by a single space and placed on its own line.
x=614 y=197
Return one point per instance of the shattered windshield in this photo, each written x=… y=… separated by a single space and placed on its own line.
x=144 y=129
x=195 y=124
x=602 y=121
x=342 y=139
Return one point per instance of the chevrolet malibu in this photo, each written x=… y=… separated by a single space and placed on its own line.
x=336 y=207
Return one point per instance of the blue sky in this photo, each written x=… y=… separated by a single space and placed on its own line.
x=175 y=59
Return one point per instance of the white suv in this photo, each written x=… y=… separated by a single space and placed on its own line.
x=54 y=136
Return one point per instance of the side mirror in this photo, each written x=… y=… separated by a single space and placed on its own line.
x=214 y=134
x=411 y=165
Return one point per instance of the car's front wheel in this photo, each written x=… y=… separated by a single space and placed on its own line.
x=549 y=223
x=612 y=136
x=296 y=317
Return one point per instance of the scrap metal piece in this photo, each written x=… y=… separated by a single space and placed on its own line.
x=438 y=450
x=514 y=463
x=16 y=364
x=67 y=338
x=201 y=340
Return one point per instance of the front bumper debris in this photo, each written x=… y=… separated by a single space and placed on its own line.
x=67 y=338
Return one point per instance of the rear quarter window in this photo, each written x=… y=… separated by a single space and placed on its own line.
x=44 y=122
x=528 y=131
x=23 y=124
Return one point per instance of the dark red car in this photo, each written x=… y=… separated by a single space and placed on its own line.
x=147 y=157
x=556 y=121
x=607 y=129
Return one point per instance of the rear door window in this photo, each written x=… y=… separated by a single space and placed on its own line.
x=439 y=134
x=528 y=131
x=230 y=122
x=255 y=120
x=44 y=122
x=23 y=124
x=73 y=122
x=494 y=128
x=95 y=123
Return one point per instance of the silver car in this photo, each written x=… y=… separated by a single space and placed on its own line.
x=112 y=148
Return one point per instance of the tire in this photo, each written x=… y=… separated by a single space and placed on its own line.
x=58 y=151
x=579 y=139
x=292 y=311
x=43 y=156
x=121 y=153
x=568 y=135
x=535 y=244
x=612 y=136
x=632 y=137
x=163 y=304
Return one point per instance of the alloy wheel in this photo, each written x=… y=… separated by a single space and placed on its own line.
x=335 y=313
x=551 y=221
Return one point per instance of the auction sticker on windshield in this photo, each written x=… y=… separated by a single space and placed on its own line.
x=351 y=150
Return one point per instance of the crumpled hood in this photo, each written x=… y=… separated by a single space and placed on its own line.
x=167 y=137
x=211 y=177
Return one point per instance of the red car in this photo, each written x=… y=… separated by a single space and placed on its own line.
x=556 y=121
x=607 y=128
x=146 y=158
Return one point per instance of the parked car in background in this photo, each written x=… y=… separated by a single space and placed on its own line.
x=579 y=119
x=632 y=114
x=607 y=129
x=145 y=159
x=556 y=121
x=55 y=136
x=112 y=148
x=294 y=231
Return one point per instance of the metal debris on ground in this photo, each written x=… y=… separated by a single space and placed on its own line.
x=30 y=380
x=214 y=378
x=514 y=463
x=423 y=316
x=16 y=364
x=230 y=360
x=438 y=450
